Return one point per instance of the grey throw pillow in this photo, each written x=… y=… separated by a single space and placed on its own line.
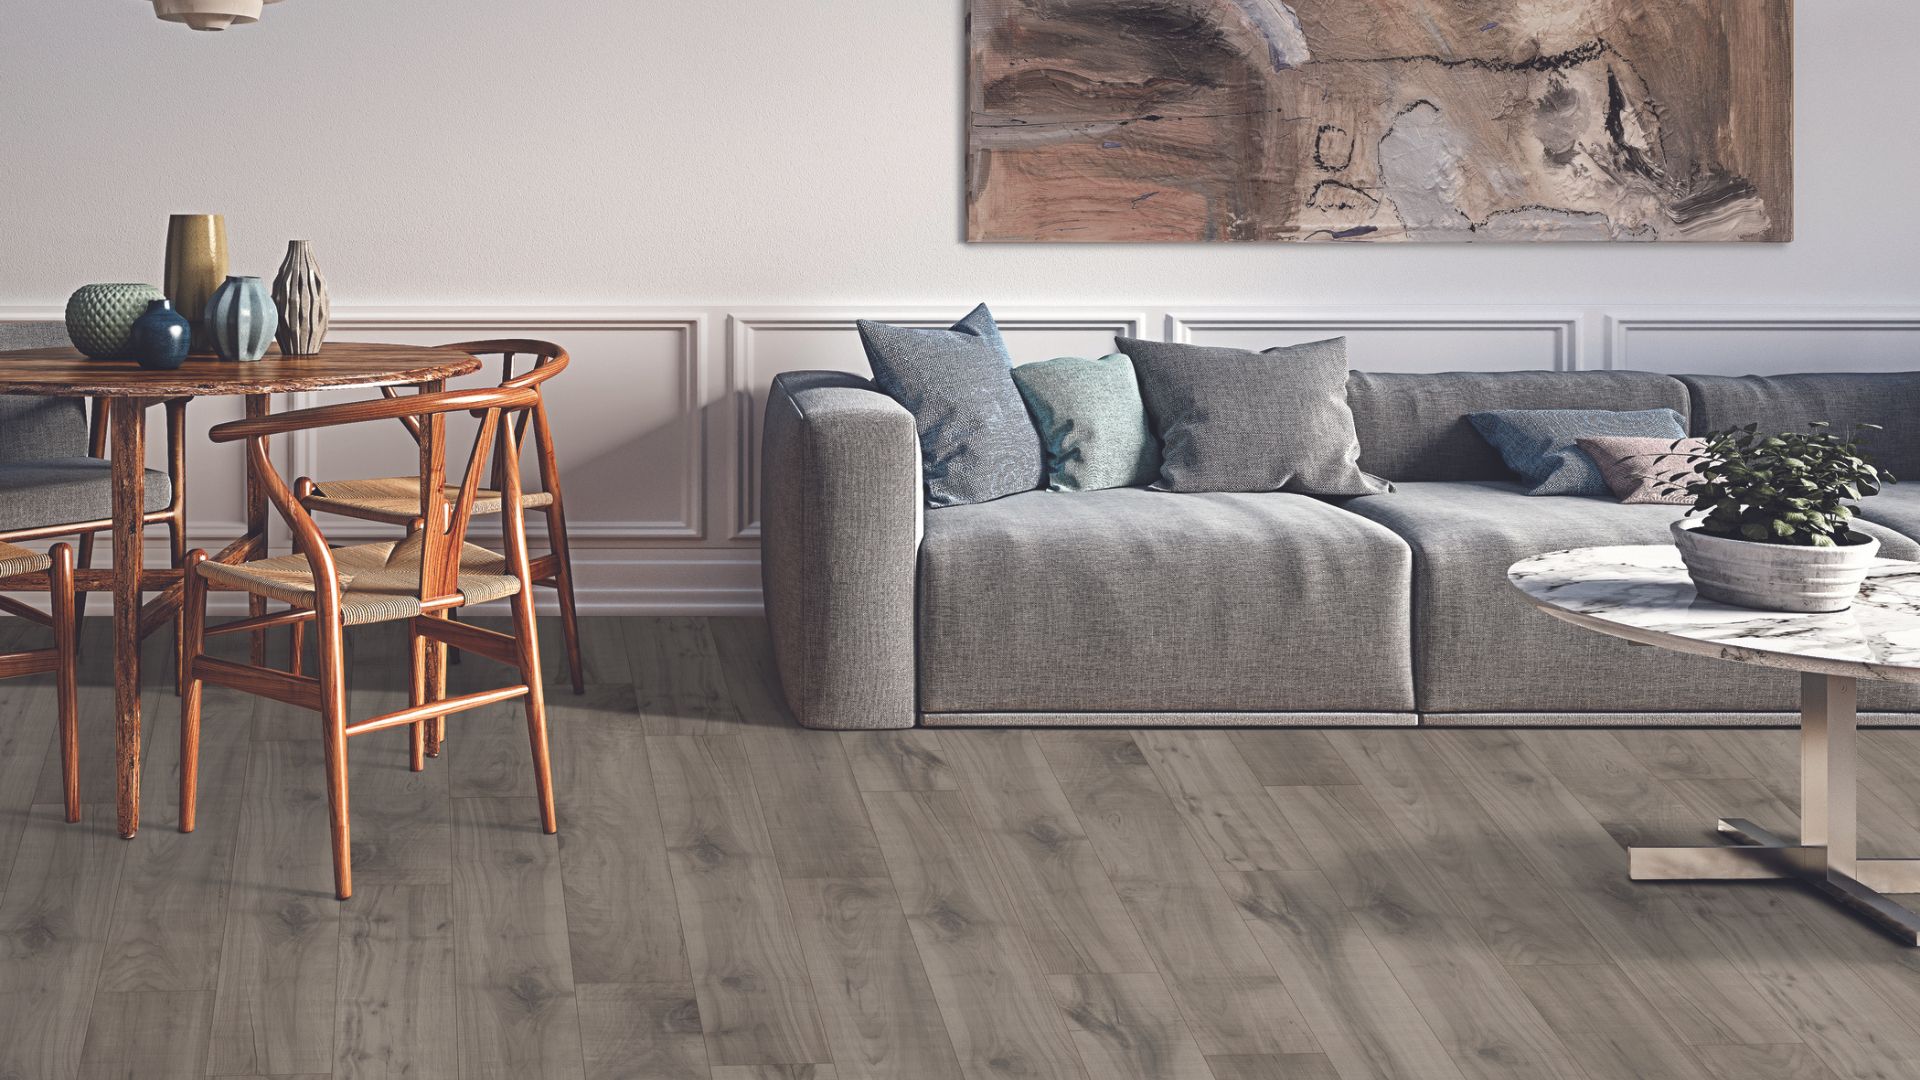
x=1233 y=420
x=1092 y=422
x=1542 y=445
x=976 y=441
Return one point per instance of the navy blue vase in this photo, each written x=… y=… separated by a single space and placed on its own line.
x=160 y=338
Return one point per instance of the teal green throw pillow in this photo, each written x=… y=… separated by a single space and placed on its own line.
x=1091 y=421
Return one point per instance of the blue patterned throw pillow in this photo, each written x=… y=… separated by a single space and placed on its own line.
x=976 y=441
x=1543 y=445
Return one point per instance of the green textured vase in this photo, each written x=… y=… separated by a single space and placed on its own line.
x=100 y=318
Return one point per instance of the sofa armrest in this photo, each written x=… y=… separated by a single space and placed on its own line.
x=840 y=511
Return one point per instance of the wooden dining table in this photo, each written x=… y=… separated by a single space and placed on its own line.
x=133 y=389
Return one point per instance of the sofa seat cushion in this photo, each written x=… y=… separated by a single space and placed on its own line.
x=1130 y=600
x=1897 y=507
x=37 y=493
x=1479 y=646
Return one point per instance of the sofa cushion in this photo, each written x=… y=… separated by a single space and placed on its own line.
x=1133 y=600
x=1234 y=420
x=1415 y=427
x=37 y=493
x=976 y=440
x=1480 y=647
x=1092 y=422
x=1897 y=507
x=1781 y=403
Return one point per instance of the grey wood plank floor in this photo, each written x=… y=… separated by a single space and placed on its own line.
x=734 y=898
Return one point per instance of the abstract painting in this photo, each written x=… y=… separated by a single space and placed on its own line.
x=1378 y=120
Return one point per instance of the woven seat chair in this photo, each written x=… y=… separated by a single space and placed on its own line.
x=395 y=500
x=17 y=564
x=419 y=580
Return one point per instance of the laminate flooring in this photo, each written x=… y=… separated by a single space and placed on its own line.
x=734 y=898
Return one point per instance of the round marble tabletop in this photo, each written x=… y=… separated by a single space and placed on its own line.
x=1642 y=594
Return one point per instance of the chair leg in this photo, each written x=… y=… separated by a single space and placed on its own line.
x=417 y=653
x=527 y=641
x=436 y=691
x=563 y=585
x=333 y=731
x=66 y=677
x=193 y=639
x=83 y=562
x=177 y=547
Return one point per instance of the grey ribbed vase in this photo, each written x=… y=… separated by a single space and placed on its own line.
x=241 y=319
x=300 y=295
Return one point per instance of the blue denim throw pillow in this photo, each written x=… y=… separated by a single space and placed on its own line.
x=1542 y=445
x=977 y=442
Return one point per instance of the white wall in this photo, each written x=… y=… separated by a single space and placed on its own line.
x=696 y=195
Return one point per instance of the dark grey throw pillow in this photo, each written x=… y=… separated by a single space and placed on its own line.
x=1233 y=420
x=976 y=441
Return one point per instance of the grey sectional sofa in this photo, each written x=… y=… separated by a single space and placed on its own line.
x=1135 y=607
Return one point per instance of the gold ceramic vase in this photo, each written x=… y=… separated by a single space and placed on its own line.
x=196 y=265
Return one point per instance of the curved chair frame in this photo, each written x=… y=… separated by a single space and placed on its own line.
x=442 y=527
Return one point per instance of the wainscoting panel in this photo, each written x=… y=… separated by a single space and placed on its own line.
x=1722 y=342
x=1414 y=341
x=658 y=420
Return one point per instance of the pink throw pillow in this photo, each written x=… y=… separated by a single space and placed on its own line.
x=1635 y=468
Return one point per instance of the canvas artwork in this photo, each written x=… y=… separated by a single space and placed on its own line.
x=1376 y=120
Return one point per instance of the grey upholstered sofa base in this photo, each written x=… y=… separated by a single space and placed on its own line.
x=1134 y=608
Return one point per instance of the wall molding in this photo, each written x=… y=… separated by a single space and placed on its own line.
x=1622 y=324
x=304 y=455
x=1567 y=327
x=742 y=376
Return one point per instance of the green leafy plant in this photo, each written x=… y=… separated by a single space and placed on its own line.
x=1790 y=489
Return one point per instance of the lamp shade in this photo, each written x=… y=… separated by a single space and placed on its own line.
x=209 y=14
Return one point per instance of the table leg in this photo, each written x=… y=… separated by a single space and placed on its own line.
x=128 y=421
x=1827 y=856
x=258 y=405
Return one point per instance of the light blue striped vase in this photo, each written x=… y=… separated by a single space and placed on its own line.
x=241 y=318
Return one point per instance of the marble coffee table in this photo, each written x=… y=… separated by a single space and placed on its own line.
x=1642 y=594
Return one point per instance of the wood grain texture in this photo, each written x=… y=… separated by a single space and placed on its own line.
x=1225 y=806
x=1282 y=757
x=909 y=760
x=1272 y=1067
x=396 y=1009
x=1596 y=1012
x=273 y=1006
x=756 y=1001
x=623 y=923
x=1260 y=120
x=1227 y=991
x=1647 y=933
x=513 y=980
x=1128 y=1028
x=66 y=373
x=1468 y=999
x=53 y=932
x=1491 y=884
x=147 y=1035
x=1060 y=893
x=991 y=991
x=643 y=1029
x=775 y=1072
x=873 y=992
x=1356 y=1008
x=678 y=675
x=813 y=812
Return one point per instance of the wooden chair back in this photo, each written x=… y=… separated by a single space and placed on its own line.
x=442 y=525
x=548 y=360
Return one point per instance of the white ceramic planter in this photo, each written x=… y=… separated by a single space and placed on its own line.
x=1773 y=577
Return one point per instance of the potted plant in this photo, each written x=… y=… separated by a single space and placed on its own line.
x=1771 y=528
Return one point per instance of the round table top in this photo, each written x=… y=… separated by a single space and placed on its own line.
x=1642 y=593
x=67 y=373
